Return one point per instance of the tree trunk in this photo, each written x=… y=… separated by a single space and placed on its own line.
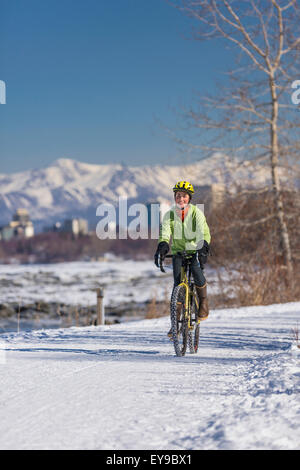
x=283 y=231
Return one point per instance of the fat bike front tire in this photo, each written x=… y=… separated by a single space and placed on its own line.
x=193 y=339
x=179 y=324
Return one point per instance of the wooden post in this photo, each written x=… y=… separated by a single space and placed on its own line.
x=100 y=307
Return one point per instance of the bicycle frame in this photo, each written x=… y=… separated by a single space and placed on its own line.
x=186 y=283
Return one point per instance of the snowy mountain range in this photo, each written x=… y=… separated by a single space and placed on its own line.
x=69 y=188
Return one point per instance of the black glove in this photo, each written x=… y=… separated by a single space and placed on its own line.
x=162 y=250
x=203 y=253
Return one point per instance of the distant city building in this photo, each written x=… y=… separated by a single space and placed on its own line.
x=21 y=217
x=6 y=232
x=210 y=196
x=56 y=227
x=75 y=226
x=156 y=211
x=20 y=226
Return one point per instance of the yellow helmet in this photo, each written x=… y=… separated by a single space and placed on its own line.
x=184 y=186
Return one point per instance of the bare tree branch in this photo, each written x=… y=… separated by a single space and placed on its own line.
x=255 y=114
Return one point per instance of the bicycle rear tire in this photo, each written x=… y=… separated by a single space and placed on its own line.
x=179 y=324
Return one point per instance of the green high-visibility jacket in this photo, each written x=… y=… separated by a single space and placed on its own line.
x=187 y=235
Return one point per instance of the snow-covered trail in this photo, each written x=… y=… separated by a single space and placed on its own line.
x=121 y=387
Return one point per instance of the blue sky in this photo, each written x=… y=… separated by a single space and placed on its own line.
x=89 y=79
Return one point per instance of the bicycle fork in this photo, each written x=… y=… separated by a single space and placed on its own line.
x=188 y=306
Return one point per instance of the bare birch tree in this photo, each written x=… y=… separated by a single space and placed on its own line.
x=253 y=115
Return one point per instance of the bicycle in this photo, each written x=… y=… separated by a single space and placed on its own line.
x=184 y=306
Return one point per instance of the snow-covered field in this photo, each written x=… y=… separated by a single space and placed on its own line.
x=121 y=387
x=75 y=283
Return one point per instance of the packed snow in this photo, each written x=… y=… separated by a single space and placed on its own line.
x=121 y=386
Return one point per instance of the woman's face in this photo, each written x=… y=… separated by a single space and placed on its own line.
x=181 y=199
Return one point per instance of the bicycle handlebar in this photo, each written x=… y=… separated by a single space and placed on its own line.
x=183 y=254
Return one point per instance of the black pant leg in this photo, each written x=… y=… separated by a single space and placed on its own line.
x=176 y=260
x=197 y=272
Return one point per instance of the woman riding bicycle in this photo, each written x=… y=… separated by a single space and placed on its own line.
x=187 y=226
